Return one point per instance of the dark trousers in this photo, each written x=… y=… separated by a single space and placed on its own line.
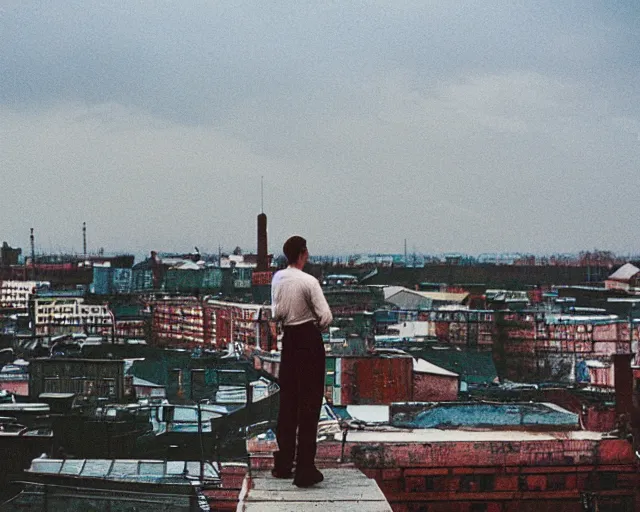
x=302 y=373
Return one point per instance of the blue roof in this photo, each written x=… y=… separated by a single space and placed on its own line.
x=456 y=415
x=60 y=293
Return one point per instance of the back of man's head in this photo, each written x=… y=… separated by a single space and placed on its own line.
x=293 y=248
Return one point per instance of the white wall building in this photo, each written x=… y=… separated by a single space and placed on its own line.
x=413 y=329
x=16 y=294
x=53 y=316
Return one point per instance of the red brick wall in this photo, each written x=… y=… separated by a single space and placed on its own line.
x=503 y=475
x=223 y=328
x=18 y=387
x=599 y=419
x=434 y=388
x=376 y=380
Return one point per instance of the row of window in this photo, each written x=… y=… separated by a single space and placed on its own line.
x=587 y=502
x=5 y=303
x=83 y=310
x=604 y=480
x=49 y=319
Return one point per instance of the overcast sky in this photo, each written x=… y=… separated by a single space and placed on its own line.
x=461 y=126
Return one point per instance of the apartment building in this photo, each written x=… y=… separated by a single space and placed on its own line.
x=15 y=295
x=52 y=316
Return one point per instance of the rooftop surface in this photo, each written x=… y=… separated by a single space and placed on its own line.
x=449 y=415
x=434 y=435
x=344 y=489
x=120 y=469
x=625 y=272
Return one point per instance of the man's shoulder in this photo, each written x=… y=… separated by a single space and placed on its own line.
x=294 y=274
x=310 y=281
x=279 y=275
x=276 y=276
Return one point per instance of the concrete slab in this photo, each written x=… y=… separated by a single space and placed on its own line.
x=342 y=489
x=307 y=506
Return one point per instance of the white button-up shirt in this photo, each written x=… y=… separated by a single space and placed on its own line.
x=297 y=298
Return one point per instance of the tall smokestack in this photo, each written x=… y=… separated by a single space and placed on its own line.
x=263 y=263
x=33 y=255
x=84 y=240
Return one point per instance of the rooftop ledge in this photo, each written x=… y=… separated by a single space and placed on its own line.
x=342 y=489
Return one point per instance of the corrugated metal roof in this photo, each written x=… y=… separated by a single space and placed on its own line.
x=625 y=272
x=422 y=366
x=122 y=469
x=473 y=367
x=137 y=381
x=444 y=296
x=391 y=291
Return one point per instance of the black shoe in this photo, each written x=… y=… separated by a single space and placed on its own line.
x=308 y=478
x=279 y=473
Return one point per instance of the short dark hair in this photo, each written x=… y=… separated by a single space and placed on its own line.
x=293 y=248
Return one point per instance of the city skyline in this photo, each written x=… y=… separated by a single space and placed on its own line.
x=411 y=253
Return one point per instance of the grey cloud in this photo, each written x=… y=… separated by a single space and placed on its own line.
x=460 y=125
x=195 y=61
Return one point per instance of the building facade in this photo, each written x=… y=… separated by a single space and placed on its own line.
x=249 y=324
x=15 y=295
x=190 y=322
x=178 y=322
x=52 y=316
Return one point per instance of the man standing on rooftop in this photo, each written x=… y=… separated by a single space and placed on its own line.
x=298 y=302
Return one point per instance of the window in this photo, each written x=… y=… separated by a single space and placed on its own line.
x=556 y=482
x=608 y=480
x=477 y=483
x=522 y=483
x=623 y=504
x=430 y=484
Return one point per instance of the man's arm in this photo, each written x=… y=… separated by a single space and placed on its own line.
x=275 y=314
x=320 y=307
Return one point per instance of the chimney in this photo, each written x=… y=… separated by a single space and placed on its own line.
x=33 y=255
x=175 y=381
x=263 y=263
